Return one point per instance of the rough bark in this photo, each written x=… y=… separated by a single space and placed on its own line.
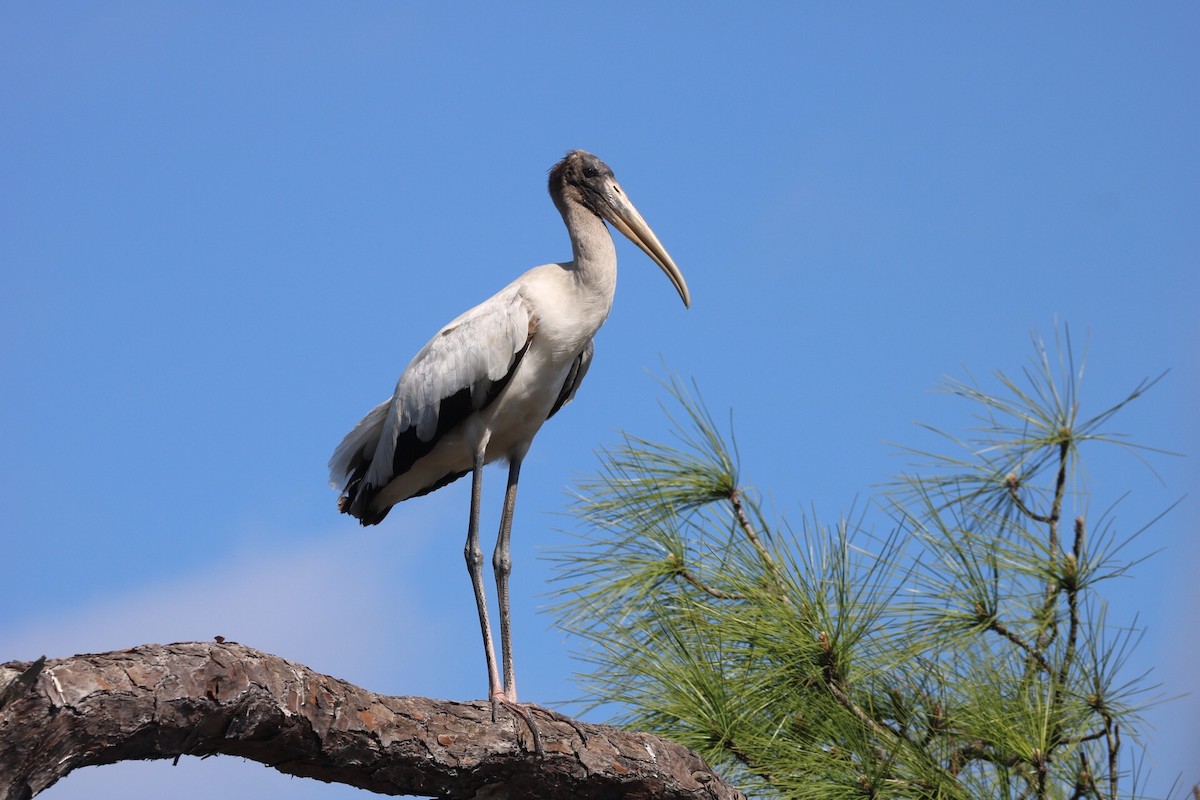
x=202 y=699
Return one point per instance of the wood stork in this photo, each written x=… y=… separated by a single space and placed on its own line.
x=482 y=387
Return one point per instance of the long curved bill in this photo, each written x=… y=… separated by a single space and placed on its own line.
x=627 y=220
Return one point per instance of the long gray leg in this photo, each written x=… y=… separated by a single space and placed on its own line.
x=502 y=564
x=474 y=555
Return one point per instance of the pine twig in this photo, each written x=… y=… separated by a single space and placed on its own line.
x=1013 y=483
x=739 y=512
x=691 y=577
x=1113 y=742
x=1050 y=632
x=996 y=626
x=844 y=699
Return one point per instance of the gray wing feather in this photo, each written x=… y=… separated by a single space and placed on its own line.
x=357 y=447
x=471 y=353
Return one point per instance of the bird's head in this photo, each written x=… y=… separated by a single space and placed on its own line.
x=582 y=178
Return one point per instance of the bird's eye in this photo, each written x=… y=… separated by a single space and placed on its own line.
x=590 y=172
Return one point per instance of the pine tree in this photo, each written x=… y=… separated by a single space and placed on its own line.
x=964 y=654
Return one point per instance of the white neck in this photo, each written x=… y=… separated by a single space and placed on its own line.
x=594 y=265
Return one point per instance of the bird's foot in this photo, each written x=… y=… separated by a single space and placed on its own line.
x=554 y=715
x=522 y=711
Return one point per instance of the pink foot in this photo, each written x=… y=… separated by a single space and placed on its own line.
x=500 y=699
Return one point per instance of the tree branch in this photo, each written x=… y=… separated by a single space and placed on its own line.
x=1014 y=484
x=208 y=698
x=716 y=594
x=996 y=626
x=739 y=512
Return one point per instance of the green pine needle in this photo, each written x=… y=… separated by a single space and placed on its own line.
x=966 y=653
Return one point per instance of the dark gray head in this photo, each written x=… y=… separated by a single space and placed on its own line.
x=586 y=180
x=582 y=177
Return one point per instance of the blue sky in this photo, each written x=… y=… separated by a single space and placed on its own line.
x=226 y=227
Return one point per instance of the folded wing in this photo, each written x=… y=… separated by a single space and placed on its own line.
x=459 y=372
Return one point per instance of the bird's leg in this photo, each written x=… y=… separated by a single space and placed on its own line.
x=502 y=564
x=474 y=555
